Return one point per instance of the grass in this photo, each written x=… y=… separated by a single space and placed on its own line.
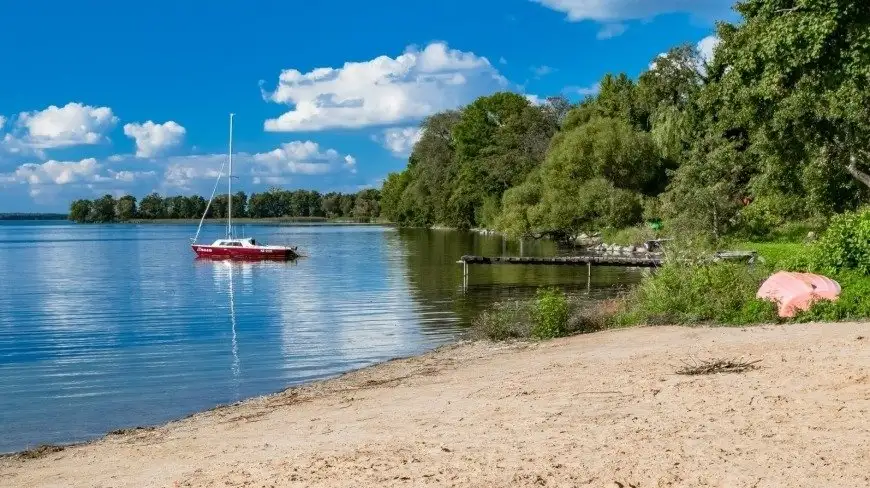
x=777 y=255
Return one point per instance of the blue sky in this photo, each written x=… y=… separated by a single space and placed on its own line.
x=121 y=97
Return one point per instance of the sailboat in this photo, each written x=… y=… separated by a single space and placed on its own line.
x=231 y=247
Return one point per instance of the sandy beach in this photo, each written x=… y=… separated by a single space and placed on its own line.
x=606 y=409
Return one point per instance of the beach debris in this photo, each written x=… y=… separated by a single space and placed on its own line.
x=696 y=367
x=39 y=451
x=797 y=292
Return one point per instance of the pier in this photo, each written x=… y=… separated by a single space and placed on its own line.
x=639 y=260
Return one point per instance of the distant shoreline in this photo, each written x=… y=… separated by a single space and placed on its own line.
x=269 y=221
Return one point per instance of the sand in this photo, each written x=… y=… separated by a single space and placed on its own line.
x=598 y=410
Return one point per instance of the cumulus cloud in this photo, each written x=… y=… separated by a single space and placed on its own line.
x=60 y=173
x=71 y=125
x=273 y=167
x=382 y=91
x=536 y=100
x=56 y=172
x=2 y=122
x=153 y=139
x=613 y=11
x=300 y=157
x=400 y=140
x=707 y=46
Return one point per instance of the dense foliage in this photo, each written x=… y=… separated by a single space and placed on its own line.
x=275 y=203
x=773 y=130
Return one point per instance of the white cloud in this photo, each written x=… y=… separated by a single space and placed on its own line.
x=383 y=90
x=182 y=171
x=273 y=167
x=350 y=163
x=130 y=176
x=502 y=60
x=60 y=173
x=153 y=139
x=400 y=140
x=299 y=157
x=2 y=122
x=71 y=125
x=535 y=100
x=56 y=172
x=707 y=46
x=612 y=11
x=610 y=31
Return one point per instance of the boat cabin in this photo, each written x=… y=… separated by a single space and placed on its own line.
x=247 y=242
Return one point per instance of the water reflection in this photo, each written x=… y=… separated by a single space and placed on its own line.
x=106 y=327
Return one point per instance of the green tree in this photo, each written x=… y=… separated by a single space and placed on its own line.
x=103 y=209
x=125 y=208
x=80 y=210
x=152 y=207
x=330 y=205
x=793 y=75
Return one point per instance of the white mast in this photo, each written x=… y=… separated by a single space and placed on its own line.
x=230 y=186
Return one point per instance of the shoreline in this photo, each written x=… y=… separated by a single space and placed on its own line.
x=591 y=410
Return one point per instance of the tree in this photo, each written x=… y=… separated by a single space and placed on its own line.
x=240 y=204
x=330 y=205
x=367 y=204
x=80 y=210
x=593 y=177
x=103 y=209
x=347 y=205
x=125 y=208
x=152 y=207
x=794 y=75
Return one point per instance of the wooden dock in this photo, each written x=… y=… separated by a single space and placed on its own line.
x=588 y=260
x=640 y=260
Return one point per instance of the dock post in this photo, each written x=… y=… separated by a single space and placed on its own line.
x=464 y=276
x=588 y=277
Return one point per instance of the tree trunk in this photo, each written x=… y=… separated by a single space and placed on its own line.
x=859 y=175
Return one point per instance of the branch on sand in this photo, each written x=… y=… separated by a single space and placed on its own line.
x=696 y=367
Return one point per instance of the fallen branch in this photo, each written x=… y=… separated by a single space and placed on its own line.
x=717 y=366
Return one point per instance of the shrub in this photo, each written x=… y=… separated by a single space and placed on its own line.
x=721 y=293
x=853 y=303
x=845 y=245
x=550 y=314
x=503 y=322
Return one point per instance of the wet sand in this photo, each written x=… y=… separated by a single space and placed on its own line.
x=606 y=409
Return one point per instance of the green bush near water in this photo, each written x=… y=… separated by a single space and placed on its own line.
x=721 y=293
x=550 y=314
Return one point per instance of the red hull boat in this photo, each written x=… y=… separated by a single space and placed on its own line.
x=231 y=247
x=243 y=249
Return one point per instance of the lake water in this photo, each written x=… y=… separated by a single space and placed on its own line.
x=113 y=326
